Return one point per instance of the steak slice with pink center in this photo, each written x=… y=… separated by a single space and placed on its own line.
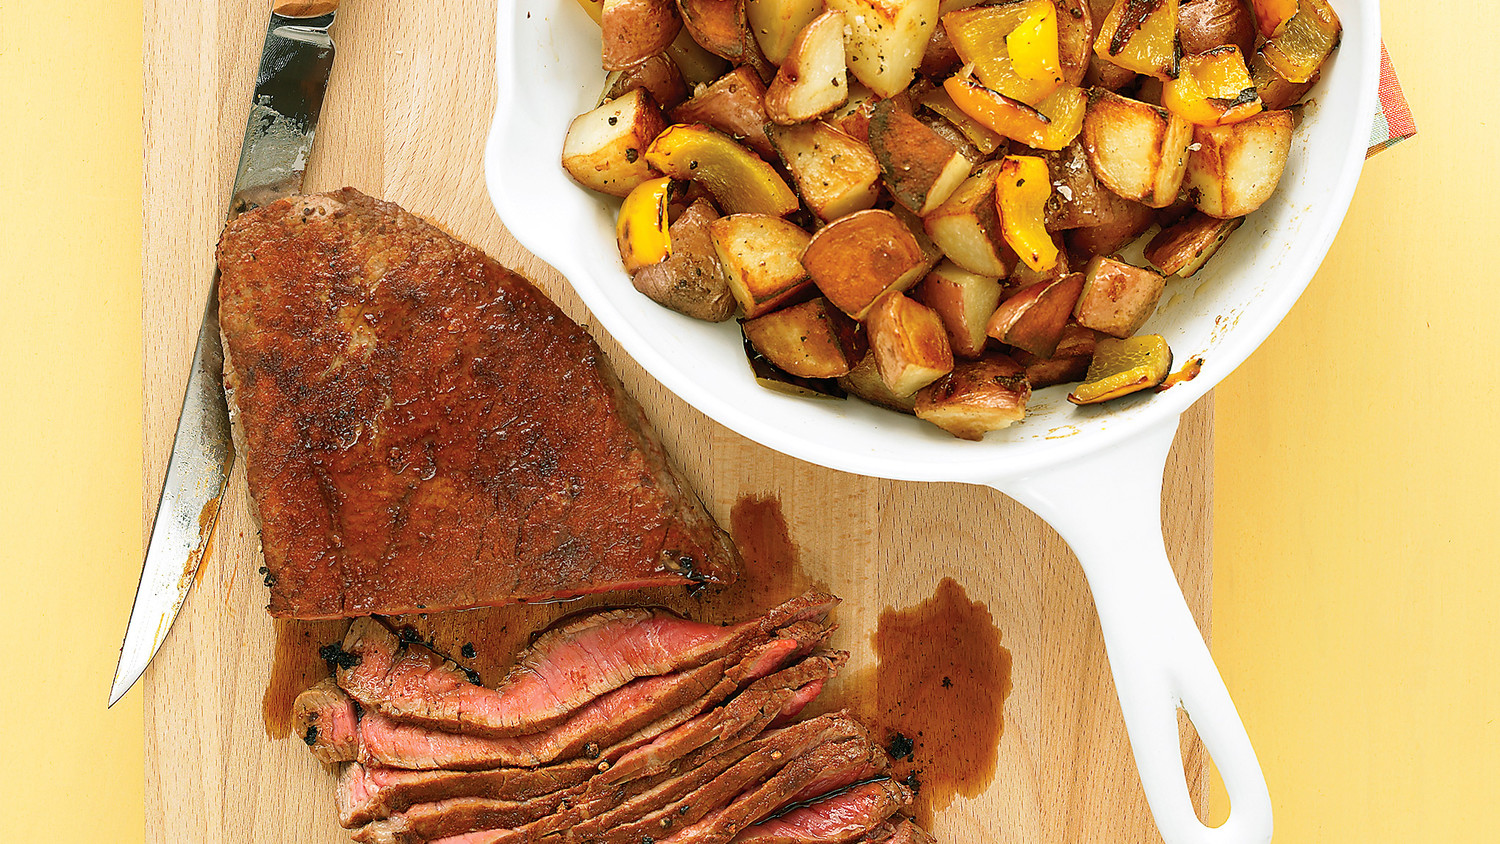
x=837 y=818
x=326 y=719
x=565 y=669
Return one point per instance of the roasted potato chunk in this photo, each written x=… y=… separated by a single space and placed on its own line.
x=976 y=397
x=967 y=226
x=886 y=39
x=1203 y=25
x=635 y=30
x=761 y=259
x=723 y=28
x=689 y=280
x=1184 y=248
x=813 y=339
x=1032 y=319
x=735 y=104
x=777 y=22
x=657 y=74
x=835 y=174
x=1128 y=221
x=1141 y=35
x=864 y=382
x=920 y=168
x=1117 y=298
x=773 y=377
x=964 y=301
x=856 y=259
x=605 y=149
x=697 y=65
x=909 y=343
x=1139 y=151
x=812 y=81
x=739 y=181
x=1234 y=169
x=1069 y=363
x=1075 y=40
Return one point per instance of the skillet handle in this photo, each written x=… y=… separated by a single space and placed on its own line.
x=1107 y=507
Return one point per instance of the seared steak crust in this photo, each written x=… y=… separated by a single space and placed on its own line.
x=424 y=430
x=845 y=816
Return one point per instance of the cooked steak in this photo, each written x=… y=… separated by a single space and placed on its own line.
x=326 y=720
x=897 y=831
x=845 y=816
x=424 y=430
x=455 y=816
x=743 y=717
x=565 y=669
x=370 y=793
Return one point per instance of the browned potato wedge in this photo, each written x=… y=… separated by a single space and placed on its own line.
x=953 y=135
x=864 y=382
x=1234 y=169
x=605 y=149
x=773 y=377
x=940 y=59
x=1117 y=298
x=931 y=254
x=856 y=259
x=1137 y=150
x=735 y=105
x=977 y=397
x=813 y=339
x=777 y=22
x=964 y=301
x=1033 y=318
x=1141 y=35
x=1075 y=39
x=760 y=255
x=1068 y=364
x=1078 y=200
x=835 y=174
x=1203 y=25
x=689 y=281
x=909 y=342
x=1128 y=221
x=1184 y=248
x=635 y=30
x=886 y=40
x=853 y=117
x=723 y=28
x=920 y=168
x=967 y=226
x=657 y=74
x=812 y=81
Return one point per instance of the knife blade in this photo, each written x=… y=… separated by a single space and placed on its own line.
x=289 y=86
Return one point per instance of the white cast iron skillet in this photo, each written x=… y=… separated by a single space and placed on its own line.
x=1093 y=473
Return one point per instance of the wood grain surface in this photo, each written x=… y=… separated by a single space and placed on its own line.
x=407 y=111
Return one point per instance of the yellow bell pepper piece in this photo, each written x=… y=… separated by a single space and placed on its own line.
x=1051 y=125
x=1141 y=37
x=1302 y=47
x=741 y=183
x=641 y=228
x=982 y=38
x=1271 y=16
x=1021 y=195
x=1033 y=46
x=1213 y=89
x=1122 y=367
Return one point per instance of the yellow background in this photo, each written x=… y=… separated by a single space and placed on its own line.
x=1357 y=612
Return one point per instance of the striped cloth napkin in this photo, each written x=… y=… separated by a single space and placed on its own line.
x=1393 y=123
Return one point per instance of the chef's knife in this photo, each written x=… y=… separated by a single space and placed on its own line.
x=294 y=66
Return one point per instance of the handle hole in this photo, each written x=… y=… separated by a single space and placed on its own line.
x=1198 y=768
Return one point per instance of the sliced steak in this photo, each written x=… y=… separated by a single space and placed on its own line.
x=456 y=816
x=898 y=831
x=745 y=715
x=366 y=793
x=743 y=796
x=563 y=670
x=424 y=430
x=326 y=719
x=705 y=780
x=598 y=724
x=841 y=817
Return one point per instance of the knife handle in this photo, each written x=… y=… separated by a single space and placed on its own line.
x=304 y=8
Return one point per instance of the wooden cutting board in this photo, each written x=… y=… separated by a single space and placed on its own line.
x=406 y=116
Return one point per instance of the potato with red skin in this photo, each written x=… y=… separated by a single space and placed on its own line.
x=909 y=342
x=812 y=81
x=810 y=340
x=1117 y=298
x=658 y=75
x=635 y=30
x=977 y=397
x=859 y=258
x=690 y=280
x=1068 y=364
x=1033 y=318
x=921 y=168
x=1203 y=25
x=964 y=301
x=735 y=104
